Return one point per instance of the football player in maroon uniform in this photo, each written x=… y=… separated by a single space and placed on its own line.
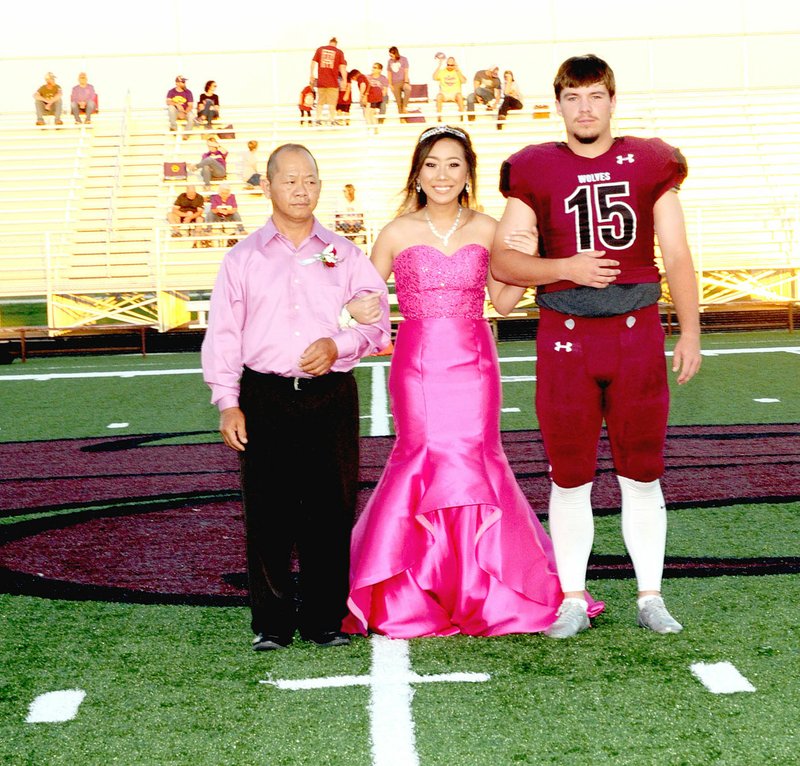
x=597 y=201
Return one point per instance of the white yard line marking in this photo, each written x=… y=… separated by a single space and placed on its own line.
x=45 y=376
x=391 y=722
x=54 y=707
x=390 y=679
x=117 y=425
x=721 y=678
x=380 y=404
x=510 y=409
x=517 y=378
x=766 y=400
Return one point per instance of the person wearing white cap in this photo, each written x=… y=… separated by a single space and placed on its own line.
x=47 y=100
x=180 y=103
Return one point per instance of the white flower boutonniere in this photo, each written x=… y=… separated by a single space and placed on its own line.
x=327 y=258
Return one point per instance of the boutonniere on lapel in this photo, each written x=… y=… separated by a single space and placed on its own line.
x=327 y=257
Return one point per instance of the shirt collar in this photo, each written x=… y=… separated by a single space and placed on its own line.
x=317 y=230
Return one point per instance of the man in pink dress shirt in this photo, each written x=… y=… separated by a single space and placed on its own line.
x=279 y=364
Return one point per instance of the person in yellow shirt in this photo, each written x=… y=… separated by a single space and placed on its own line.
x=450 y=79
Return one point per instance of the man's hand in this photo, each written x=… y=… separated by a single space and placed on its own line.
x=231 y=426
x=686 y=358
x=590 y=269
x=319 y=357
x=366 y=309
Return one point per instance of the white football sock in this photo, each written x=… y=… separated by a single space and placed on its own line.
x=644 y=529
x=572 y=531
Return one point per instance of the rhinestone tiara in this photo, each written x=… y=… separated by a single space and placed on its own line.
x=442 y=129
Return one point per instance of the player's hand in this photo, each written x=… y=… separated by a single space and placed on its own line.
x=522 y=240
x=591 y=269
x=686 y=358
x=366 y=309
x=232 y=428
x=319 y=357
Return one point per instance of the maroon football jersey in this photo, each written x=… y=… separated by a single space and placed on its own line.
x=596 y=203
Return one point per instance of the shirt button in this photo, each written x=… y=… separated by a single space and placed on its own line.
x=297 y=332
x=296 y=307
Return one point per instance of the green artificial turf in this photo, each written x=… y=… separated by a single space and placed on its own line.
x=724 y=392
x=179 y=685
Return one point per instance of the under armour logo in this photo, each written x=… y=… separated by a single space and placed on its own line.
x=564 y=346
x=624 y=158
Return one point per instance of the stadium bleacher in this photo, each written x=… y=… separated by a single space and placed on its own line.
x=84 y=225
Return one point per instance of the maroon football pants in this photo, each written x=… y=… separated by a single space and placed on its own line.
x=596 y=369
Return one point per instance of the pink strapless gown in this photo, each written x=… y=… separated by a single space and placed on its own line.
x=448 y=543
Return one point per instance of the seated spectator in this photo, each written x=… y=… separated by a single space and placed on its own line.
x=187 y=208
x=208 y=105
x=487 y=90
x=213 y=163
x=450 y=79
x=377 y=94
x=224 y=208
x=397 y=69
x=180 y=104
x=512 y=98
x=250 y=174
x=349 y=219
x=83 y=100
x=47 y=100
x=306 y=103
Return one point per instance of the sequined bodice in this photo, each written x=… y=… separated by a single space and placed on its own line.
x=432 y=285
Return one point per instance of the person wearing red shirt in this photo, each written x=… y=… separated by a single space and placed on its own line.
x=329 y=75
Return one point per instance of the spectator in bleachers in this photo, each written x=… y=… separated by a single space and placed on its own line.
x=306 y=103
x=47 y=100
x=250 y=174
x=224 y=208
x=397 y=71
x=83 y=100
x=213 y=164
x=377 y=93
x=486 y=85
x=329 y=74
x=346 y=99
x=349 y=217
x=187 y=208
x=450 y=79
x=180 y=104
x=208 y=105
x=512 y=98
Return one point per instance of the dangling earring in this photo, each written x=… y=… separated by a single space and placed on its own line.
x=466 y=187
x=418 y=187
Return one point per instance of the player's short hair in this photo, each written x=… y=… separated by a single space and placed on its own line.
x=580 y=71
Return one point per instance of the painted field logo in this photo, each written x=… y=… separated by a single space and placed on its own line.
x=134 y=519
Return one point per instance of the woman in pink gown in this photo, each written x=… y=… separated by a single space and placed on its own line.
x=447 y=543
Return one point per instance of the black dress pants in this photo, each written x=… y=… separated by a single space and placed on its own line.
x=299 y=477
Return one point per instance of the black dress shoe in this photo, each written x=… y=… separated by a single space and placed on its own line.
x=329 y=638
x=265 y=643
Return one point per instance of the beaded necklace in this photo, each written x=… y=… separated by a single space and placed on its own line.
x=445 y=238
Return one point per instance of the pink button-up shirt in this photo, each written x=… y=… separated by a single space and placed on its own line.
x=272 y=300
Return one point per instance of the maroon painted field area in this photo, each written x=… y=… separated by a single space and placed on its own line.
x=131 y=519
